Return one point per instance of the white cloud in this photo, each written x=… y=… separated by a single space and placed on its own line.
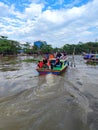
x=52 y=16
x=5 y=9
x=34 y=10
x=57 y=27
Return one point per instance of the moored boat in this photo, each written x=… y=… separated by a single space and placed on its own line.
x=88 y=56
x=91 y=58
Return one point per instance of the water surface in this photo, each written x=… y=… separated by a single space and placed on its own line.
x=32 y=102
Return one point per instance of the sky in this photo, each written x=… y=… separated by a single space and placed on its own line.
x=58 y=22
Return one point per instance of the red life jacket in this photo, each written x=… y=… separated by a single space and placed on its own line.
x=40 y=64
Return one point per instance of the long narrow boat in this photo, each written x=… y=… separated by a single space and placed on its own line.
x=91 y=58
x=56 y=70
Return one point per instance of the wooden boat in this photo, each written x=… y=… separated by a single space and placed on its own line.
x=56 y=70
x=91 y=58
x=87 y=56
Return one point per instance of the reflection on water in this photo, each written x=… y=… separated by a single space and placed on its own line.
x=32 y=102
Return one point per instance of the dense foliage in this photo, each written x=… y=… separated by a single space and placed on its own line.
x=11 y=47
x=8 y=47
x=81 y=47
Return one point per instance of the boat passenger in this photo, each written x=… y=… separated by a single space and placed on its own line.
x=58 y=63
x=40 y=64
x=51 y=56
x=49 y=64
x=58 y=55
x=52 y=63
x=46 y=63
x=64 y=56
x=45 y=60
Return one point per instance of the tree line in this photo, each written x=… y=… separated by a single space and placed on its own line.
x=11 y=47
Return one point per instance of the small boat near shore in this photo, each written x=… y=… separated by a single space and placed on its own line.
x=90 y=58
x=56 y=70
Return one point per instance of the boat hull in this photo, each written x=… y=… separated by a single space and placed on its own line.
x=47 y=71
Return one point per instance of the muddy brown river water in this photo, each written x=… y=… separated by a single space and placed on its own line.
x=32 y=102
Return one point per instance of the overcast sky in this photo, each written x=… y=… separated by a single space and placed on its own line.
x=58 y=22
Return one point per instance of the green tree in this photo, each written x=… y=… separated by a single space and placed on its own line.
x=35 y=49
x=45 y=48
x=9 y=47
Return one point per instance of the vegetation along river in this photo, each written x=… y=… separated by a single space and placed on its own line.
x=32 y=102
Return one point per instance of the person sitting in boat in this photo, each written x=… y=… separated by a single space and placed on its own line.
x=45 y=63
x=52 y=63
x=51 y=56
x=64 y=56
x=49 y=64
x=58 y=55
x=45 y=60
x=58 y=63
x=40 y=64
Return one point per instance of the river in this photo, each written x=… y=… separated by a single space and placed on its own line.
x=32 y=102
